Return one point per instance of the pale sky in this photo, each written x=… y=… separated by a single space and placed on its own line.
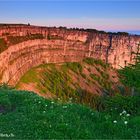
x=108 y=15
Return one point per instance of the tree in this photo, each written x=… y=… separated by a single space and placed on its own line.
x=131 y=74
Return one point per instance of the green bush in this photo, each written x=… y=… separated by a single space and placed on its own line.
x=94 y=77
x=89 y=61
x=5 y=104
x=130 y=76
x=83 y=75
x=75 y=67
x=92 y=61
x=5 y=86
x=119 y=103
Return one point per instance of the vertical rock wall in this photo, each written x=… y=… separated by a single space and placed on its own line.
x=62 y=45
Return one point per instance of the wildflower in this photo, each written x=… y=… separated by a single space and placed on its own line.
x=39 y=102
x=125 y=122
x=64 y=106
x=127 y=115
x=12 y=135
x=52 y=102
x=124 y=112
x=92 y=113
x=46 y=105
x=44 y=111
x=114 y=121
x=120 y=114
x=6 y=135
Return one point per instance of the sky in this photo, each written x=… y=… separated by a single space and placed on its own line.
x=108 y=15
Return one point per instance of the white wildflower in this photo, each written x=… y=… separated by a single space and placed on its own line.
x=7 y=135
x=92 y=113
x=127 y=115
x=46 y=105
x=124 y=112
x=114 y=121
x=52 y=102
x=64 y=106
x=120 y=114
x=12 y=135
x=125 y=122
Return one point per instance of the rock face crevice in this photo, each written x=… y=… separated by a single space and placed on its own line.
x=62 y=45
x=109 y=47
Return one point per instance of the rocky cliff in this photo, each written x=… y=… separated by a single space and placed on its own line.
x=28 y=46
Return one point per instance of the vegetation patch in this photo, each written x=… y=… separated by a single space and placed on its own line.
x=37 y=118
x=75 y=67
x=92 y=61
x=30 y=76
x=70 y=81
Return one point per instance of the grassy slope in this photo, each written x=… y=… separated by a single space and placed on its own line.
x=25 y=115
x=72 y=80
x=28 y=116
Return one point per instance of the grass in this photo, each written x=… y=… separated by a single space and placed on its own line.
x=89 y=61
x=75 y=67
x=56 y=82
x=69 y=81
x=92 y=62
x=30 y=76
x=25 y=115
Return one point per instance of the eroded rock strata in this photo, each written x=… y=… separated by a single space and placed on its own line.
x=57 y=45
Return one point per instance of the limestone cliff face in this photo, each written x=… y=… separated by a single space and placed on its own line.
x=62 y=45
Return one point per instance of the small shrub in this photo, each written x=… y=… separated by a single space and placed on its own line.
x=75 y=67
x=83 y=75
x=5 y=104
x=89 y=61
x=120 y=103
x=92 y=61
x=5 y=86
x=95 y=77
x=89 y=69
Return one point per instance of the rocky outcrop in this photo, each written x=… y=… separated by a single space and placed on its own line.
x=62 y=45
